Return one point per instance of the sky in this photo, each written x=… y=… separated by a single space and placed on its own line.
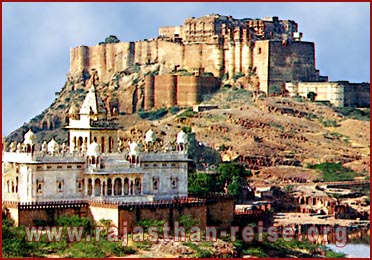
x=37 y=37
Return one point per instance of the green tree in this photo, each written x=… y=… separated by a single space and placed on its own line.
x=200 y=184
x=112 y=39
x=234 y=175
x=312 y=96
x=202 y=155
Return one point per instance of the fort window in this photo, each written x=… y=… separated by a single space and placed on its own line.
x=49 y=167
x=16 y=188
x=59 y=167
x=39 y=167
x=164 y=164
x=79 y=166
x=173 y=165
x=8 y=186
x=155 y=165
x=259 y=50
x=69 y=166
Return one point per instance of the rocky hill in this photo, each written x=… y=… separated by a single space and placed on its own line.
x=259 y=132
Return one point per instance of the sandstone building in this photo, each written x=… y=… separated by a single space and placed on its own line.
x=218 y=44
x=268 y=50
x=339 y=93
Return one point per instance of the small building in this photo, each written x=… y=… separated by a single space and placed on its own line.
x=339 y=93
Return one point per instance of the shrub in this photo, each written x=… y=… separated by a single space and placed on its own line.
x=354 y=113
x=333 y=172
x=312 y=96
x=111 y=39
x=146 y=223
x=275 y=90
x=187 y=113
x=330 y=123
x=153 y=115
x=238 y=75
x=174 y=110
x=186 y=129
x=187 y=221
x=74 y=221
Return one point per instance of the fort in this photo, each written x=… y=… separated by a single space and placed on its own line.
x=268 y=50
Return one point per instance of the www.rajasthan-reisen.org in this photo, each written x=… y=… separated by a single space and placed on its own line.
x=195 y=234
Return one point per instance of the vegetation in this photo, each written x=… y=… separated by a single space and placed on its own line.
x=15 y=244
x=186 y=129
x=146 y=223
x=202 y=155
x=208 y=74
x=187 y=221
x=275 y=90
x=200 y=184
x=200 y=252
x=278 y=248
x=230 y=175
x=277 y=125
x=334 y=172
x=330 y=123
x=110 y=39
x=187 y=113
x=238 y=75
x=312 y=96
x=354 y=113
x=153 y=115
x=174 y=110
x=183 y=72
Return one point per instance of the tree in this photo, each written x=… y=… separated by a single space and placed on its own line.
x=200 y=184
x=234 y=175
x=312 y=96
x=200 y=154
x=110 y=39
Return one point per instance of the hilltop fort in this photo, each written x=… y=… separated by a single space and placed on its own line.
x=185 y=64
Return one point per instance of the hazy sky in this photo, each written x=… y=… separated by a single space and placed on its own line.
x=37 y=38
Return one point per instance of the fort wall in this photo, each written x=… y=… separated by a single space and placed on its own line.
x=221 y=213
x=170 y=90
x=149 y=92
x=218 y=212
x=340 y=93
x=291 y=62
x=102 y=211
x=165 y=91
x=357 y=94
x=261 y=63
